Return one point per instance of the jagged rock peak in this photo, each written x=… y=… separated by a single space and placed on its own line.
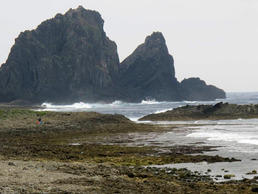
x=81 y=12
x=154 y=43
x=153 y=51
x=156 y=38
x=79 y=9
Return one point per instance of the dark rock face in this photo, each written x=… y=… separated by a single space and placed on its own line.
x=67 y=58
x=149 y=71
x=196 y=89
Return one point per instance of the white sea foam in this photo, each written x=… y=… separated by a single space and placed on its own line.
x=249 y=141
x=149 y=101
x=80 y=105
x=219 y=99
x=75 y=144
x=190 y=102
x=117 y=102
x=134 y=119
x=164 y=110
x=226 y=136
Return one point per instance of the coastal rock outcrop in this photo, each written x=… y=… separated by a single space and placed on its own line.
x=69 y=58
x=206 y=112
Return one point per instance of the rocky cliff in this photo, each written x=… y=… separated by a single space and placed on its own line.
x=69 y=58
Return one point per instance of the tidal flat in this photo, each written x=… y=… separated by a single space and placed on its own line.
x=83 y=153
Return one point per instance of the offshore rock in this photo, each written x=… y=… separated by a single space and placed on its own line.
x=67 y=58
x=196 y=89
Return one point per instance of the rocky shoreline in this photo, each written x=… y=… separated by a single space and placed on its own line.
x=66 y=154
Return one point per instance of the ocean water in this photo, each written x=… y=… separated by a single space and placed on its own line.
x=136 y=110
x=233 y=138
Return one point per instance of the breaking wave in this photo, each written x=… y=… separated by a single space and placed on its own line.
x=79 y=105
x=153 y=101
x=117 y=102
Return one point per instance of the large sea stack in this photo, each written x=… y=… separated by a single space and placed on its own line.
x=149 y=71
x=69 y=58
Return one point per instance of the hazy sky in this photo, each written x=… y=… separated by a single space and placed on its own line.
x=216 y=40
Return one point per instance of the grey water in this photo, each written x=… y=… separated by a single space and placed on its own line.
x=233 y=138
x=136 y=110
